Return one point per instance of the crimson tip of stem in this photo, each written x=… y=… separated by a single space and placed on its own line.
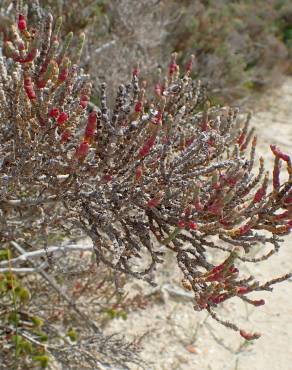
x=249 y=336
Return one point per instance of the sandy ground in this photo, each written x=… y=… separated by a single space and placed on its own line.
x=179 y=338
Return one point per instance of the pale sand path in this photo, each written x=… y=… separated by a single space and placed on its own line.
x=172 y=323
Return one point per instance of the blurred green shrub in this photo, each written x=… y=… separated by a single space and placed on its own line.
x=240 y=46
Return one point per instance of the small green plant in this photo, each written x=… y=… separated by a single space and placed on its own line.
x=23 y=335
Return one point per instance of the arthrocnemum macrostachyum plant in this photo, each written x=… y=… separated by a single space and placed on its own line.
x=44 y=96
x=161 y=169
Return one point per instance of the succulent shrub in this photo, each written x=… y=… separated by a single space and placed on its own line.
x=48 y=95
x=158 y=169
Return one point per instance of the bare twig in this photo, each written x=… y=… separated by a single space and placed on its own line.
x=29 y=256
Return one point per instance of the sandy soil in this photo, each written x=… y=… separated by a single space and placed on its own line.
x=179 y=338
